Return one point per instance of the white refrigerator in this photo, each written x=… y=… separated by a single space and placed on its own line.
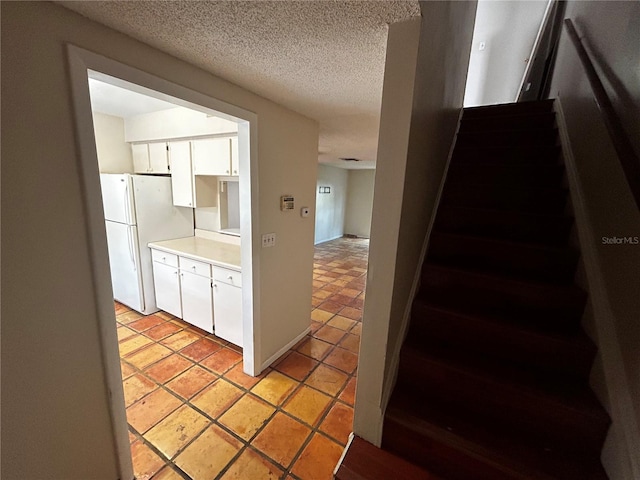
x=139 y=209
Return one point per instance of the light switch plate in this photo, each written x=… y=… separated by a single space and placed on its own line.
x=268 y=240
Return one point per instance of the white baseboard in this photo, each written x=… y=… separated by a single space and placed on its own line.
x=328 y=239
x=344 y=454
x=618 y=391
x=284 y=349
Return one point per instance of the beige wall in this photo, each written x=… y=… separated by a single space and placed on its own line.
x=420 y=108
x=114 y=154
x=357 y=219
x=330 y=207
x=55 y=414
x=612 y=32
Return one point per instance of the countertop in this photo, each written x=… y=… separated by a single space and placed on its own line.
x=202 y=249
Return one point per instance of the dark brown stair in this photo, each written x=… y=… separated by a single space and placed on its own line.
x=364 y=461
x=547 y=229
x=539 y=262
x=493 y=376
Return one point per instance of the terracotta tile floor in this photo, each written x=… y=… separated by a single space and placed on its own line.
x=193 y=413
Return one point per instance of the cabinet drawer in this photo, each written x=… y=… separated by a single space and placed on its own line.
x=193 y=266
x=164 y=257
x=230 y=277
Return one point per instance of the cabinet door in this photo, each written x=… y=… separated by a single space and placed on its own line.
x=167 y=287
x=197 y=301
x=140 y=154
x=158 y=158
x=212 y=156
x=181 y=178
x=235 y=162
x=227 y=308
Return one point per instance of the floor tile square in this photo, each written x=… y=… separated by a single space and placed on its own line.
x=136 y=387
x=222 y=360
x=338 y=423
x=217 y=398
x=351 y=342
x=307 y=404
x=274 y=388
x=251 y=465
x=296 y=365
x=162 y=331
x=318 y=459
x=329 y=334
x=315 y=326
x=133 y=344
x=348 y=395
x=128 y=317
x=176 y=430
x=314 y=348
x=126 y=369
x=167 y=368
x=237 y=376
x=167 y=473
x=357 y=329
x=120 y=308
x=357 y=303
x=320 y=315
x=343 y=323
x=145 y=323
x=327 y=379
x=180 y=340
x=316 y=301
x=189 y=383
x=281 y=438
x=342 y=299
x=209 y=454
x=148 y=355
x=352 y=313
x=247 y=416
x=322 y=293
x=146 y=463
x=200 y=349
x=342 y=359
x=145 y=413
x=124 y=333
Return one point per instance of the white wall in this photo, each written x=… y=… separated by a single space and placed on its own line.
x=424 y=82
x=357 y=220
x=114 y=154
x=55 y=405
x=508 y=29
x=330 y=207
x=611 y=33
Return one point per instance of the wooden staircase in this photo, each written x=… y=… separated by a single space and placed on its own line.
x=493 y=376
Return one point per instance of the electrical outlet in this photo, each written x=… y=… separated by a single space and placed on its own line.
x=268 y=240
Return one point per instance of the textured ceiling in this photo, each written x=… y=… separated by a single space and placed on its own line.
x=324 y=59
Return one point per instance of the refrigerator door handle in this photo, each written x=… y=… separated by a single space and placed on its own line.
x=131 y=254
x=127 y=209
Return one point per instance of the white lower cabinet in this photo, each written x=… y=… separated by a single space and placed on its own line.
x=227 y=304
x=204 y=295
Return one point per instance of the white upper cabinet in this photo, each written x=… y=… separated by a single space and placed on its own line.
x=150 y=157
x=235 y=162
x=212 y=156
x=189 y=190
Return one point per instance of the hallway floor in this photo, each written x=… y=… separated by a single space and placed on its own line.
x=193 y=413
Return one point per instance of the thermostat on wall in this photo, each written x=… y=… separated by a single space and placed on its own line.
x=286 y=203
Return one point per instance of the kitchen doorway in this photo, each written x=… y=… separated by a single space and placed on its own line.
x=85 y=65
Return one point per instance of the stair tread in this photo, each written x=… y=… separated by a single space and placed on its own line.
x=517 y=456
x=509 y=130
x=364 y=461
x=496 y=211
x=578 y=339
x=561 y=390
x=510 y=243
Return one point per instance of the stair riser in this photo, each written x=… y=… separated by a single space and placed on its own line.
x=526 y=201
x=509 y=109
x=438 y=457
x=430 y=326
x=504 y=225
x=507 y=156
x=508 y=175
x=556 y=425
x=528 y=138
x=558 y=266
x=549 y=306
x=508 y=122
